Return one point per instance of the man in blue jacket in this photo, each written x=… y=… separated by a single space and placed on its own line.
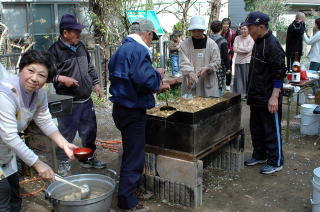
x=267 y=70
x=133 y=82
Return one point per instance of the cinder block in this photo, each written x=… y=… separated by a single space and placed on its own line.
x=182 y=194
x=150 y=183
x=157 y=186
x=161 y=188
x=181 y=171
x=167 y=189
x=171 y=191
x=230 y=157
x=177 y=193
x=150 y=164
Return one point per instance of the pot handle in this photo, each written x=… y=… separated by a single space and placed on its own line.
x=47 y=195
x=113 y=173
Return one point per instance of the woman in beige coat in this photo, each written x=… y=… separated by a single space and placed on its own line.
x=199 y=61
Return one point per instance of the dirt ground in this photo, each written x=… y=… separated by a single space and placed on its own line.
x=287 y=190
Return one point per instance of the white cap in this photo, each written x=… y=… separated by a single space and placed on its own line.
x=295 y=63
x=197 y=22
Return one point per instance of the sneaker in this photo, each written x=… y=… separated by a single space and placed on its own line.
x=144 y=195
x=138 y=208
x=252 y=161
x=176 y=75
x=228 y=88
x=93 y=163
x=64 y=168
x=268 y=169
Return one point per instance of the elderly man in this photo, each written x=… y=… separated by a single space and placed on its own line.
x=199 y=61
x=267 y=70
x=294 y=39
x=133 y=82
x=75 y=77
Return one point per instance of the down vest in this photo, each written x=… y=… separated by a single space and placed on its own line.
x=76 y=65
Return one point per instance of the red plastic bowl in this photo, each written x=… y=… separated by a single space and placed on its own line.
x=82 y=153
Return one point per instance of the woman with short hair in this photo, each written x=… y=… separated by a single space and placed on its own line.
x=23 y=100
x=243 y=45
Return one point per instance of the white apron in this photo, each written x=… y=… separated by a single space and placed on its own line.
x=24 y=116
x=207 y=85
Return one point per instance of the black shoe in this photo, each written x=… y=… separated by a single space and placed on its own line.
x=252 y=161
x=268 y=169
x=93 y=163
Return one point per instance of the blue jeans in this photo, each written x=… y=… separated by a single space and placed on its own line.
x=81 y=120
x=174 y=60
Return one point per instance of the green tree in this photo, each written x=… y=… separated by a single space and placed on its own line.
x=249 y=5
x=274 y=8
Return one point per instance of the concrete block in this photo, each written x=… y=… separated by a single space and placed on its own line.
x=171 y=191
x=157 y=186
x=167 y=190
x=174 y=192
x=150 y=164
x=182 y=194
x=181 y=171
x=196 y=196
x=230 y=157
x=150 y=183
x=188 y=196
x=161 y=188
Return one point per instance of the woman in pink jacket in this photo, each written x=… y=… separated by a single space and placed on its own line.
x=243 y=45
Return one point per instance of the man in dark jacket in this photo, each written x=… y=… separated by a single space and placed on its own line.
x=133 y=82
x=267 y=70
x=75 y=77
x=294 y=39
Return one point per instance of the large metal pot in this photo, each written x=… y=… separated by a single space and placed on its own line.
x=100 y=182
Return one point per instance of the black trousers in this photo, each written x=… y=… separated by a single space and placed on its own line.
x=229 y=76
x=10 y=200
x=81 y=120
x=132 y=124
x=265 y=130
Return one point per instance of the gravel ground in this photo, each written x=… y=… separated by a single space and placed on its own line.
x=287 y=190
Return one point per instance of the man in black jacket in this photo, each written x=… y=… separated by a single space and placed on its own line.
x=294 y=39
x=75 y=77
x=267 y=70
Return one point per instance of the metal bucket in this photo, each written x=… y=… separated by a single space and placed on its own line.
x=99 y=182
